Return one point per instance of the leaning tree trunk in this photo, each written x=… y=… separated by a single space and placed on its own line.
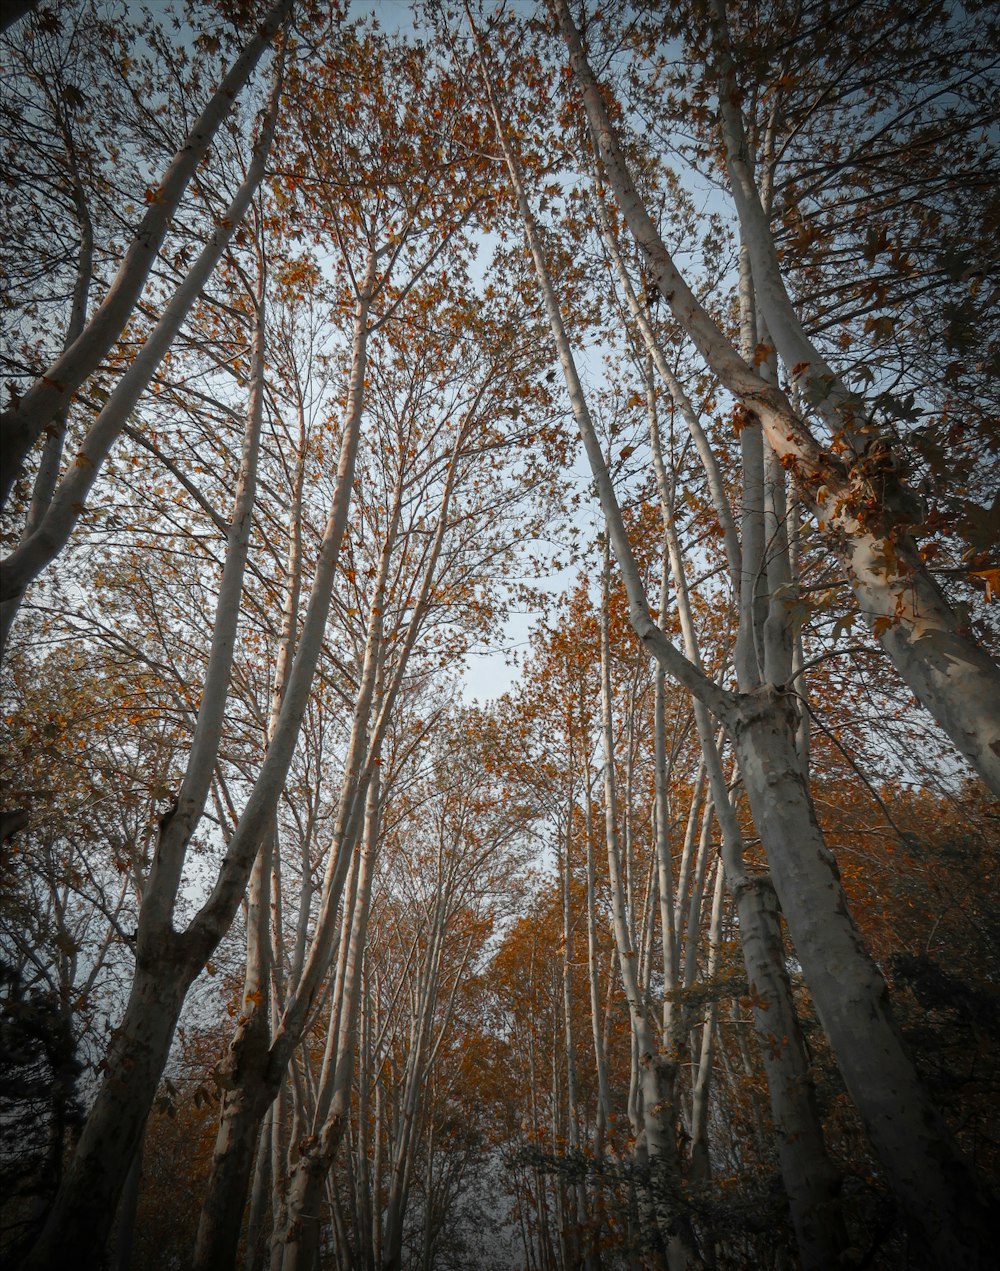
x=811 y=1180
x=299 y=1235
x=255 y=1064
x=925 y=1170
x=940 y=1195
x=68 y=500
x=139 y=1051
x=79 y=1223
x=24 y=422
x=168 y=961
x=246 y=1094
x=948 y=672
x=50 y=460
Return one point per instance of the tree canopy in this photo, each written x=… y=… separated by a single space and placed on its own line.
x=352 y=349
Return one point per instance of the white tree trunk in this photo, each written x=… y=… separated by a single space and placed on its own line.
x=600 y=1054
x=68 y=502
x=299 y=1233
x=160 y=952
x=657 y=1071
x=940 y=1196
x=700 y=1161
x=245 y=1092
x=21 y=425
x=55 y=435
x=168 y=961
x=949 y=1209
x=811 y=1181
x=949 y=674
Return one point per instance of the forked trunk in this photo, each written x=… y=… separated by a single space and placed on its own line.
x=951 y=675
x=167 y=962
x=25 y=421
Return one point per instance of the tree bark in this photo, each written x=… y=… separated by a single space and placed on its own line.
x=657 y=1071
x=952 y=1216
x=257 y=1241
x=947 y=671
x=299 y=1234
x=67 y=504
x=701 y=1166
x=55 y=435
x=79 y=1223
x=812 y=1183
x=22 y=424
x=941 y=1197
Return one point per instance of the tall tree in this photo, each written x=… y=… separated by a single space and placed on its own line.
x=24 y=422
x=952 y=1217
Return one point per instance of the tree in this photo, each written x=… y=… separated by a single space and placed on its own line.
x=806 y=883
x=25 y=421
x=69 y=901
x=598 y=975
x=435 y=424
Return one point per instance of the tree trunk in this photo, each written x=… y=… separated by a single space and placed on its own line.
x=939 y=1194
x=572 y=1093
x=300 y=1231
x=952 y=1215
x=55 y=435
x=67 y=504
x=256 y=1064
x=911 y=1139
x=22 y=424
x=167 y=962
x=136 y=1059
x=600 y=1053
x=256 y=1255
x=657 y=1071
x=79 y=1223
x=947 y=671
x=811 y=1181
x=247 y=1093
x=701 y=1169
x=125 y=1234
x=243 y=1110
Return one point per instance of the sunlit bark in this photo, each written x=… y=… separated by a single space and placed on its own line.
x=952 y=676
